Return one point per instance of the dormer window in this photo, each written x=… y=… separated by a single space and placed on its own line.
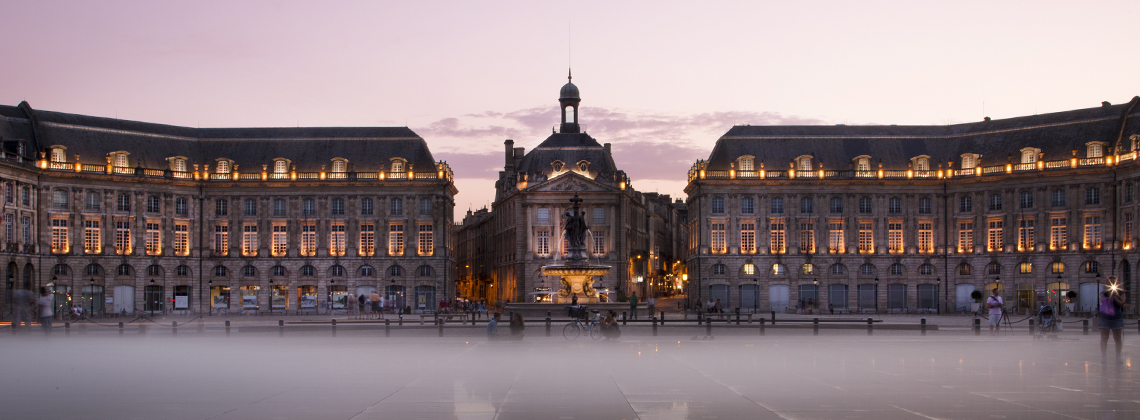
x=1029 y=154
x=178 y=164
x=223 y=167
x=863 y=163
x=340 y=165
x=969 y=161
x=119 y=159
x=557 y=166
x=583 y=166
x=280 y=166
x=921 y=163
x=1095 y=149
x=747 y=163
x=59 y=154
x=397 y=166
x=803 y=163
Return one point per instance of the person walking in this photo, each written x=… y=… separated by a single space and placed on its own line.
x=995 y=304
x=633 y=306
x=44 y=308
x=493 y=327
x=360 y=301
x=1111 y=321
x=517 y=326
x=651 y=304
x=22 y=301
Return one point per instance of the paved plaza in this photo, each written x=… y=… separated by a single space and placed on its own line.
x=363 y=375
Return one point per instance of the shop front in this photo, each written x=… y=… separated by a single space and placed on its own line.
x=220 y=299
x=307 y=299
x=249 y=295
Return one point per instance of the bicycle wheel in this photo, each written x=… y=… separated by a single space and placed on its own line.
x=595 y=331
x=571 y=331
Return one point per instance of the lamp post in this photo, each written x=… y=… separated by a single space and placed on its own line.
x=937 y=290
x=152 y=302
x=1060 y=295
x=91 y=299
x=270 y=297
x=210 y=306
x=1097 y=289
x=53 y=293
x=876 y=295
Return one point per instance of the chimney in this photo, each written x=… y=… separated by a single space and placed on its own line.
x=510 y=146
x=607 y=146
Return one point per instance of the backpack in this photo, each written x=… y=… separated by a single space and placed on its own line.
x=1107 y=307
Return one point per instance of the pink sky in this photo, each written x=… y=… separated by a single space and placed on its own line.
x=660 y=80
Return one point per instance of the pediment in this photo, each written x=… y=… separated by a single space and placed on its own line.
x=570 y=182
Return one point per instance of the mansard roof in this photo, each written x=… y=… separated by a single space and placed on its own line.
x=568 y=148
x=1056 y=134
x=149 y=144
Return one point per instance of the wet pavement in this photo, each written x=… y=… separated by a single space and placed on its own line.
x=312 y=375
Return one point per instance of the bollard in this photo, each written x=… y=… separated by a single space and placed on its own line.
x=120 y=327
x=773 y=317
x=654 y=326
x=762 y=326
x=923 y=322
x=280 y=327
x=815 y=326
x=977 y=326
x=1031 y=326
x=623 y=319
x=388 y=327
x=662 y=317
x=227 y=328
x=334 y=327
x=548 y=324
x=440 y=326
x=66 y=328
x=174 y=327
x=1086 y=322
x=708 y=327
x=870 y=326
x=400 y=322
x=737 y=316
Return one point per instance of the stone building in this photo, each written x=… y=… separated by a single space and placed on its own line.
x=126 y=216
x=523 y=230
x=914 y=218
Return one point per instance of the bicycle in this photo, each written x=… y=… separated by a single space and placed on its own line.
x=573 y=329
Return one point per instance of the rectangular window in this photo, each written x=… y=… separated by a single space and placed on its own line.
x=806 y=205
x=718 y=205
x=895 y=238
x=1025 y=235
x=250 y=207
x=366 y=206
x=249 y=240
x=10 y=228
x=965 y=237
x=221 y=207
x=8 y=195
x=153 y=238
x=865 y=205
x=1026 y=201
x=336 y=238
x=807 y=238
x=1127 y=193
x=542 y=243
x=599 y=245
x=777 y=242
x=26 y=195
x=777 y=205
x=995 y=202
x=1058 y=198
x=1093 y=237
x=966 y=204
x=396 y=239
x=894 y=205
x=426 y=240
x=599 y=215
x=367 y=239
x=866 y=238
x=1092 y=195
x=1128 y=229
x=123 y=237
x=836 y=205
x=924 y=206
x=279 y=239
x=1058 y=233
x=59 y=243
x=336 y=207
x=308 y=207
x=221 y=239
x=27 y=228
x=925 y=237
x=396 y=206
x=995 y=240
x=279 y=208
x=747 y=205
x=308 y=239
x=425 y=207
x=181 y=238
x=181 y=206
x=748 y=238
x=542 y=215
x=124 y=203
x=836 y=243
x=717 y=239
x=152 y=204
x=59 y=199
x=93 y=200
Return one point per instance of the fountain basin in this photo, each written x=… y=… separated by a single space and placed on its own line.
x=577 y=280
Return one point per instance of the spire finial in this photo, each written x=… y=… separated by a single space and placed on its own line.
x=569 y=75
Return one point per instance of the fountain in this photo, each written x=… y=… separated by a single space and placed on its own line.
x=576 y=272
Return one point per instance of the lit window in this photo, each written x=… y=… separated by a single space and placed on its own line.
x=866 y=238
x=836 y=242
x=280 y=239
x=717 y=239
x=92 y=237
x=396 y=239
x=123 y=237
x=542 y=243
x=748 y=238
x=336 y=238
x=223 y=167
x=221 y=239
x=1093 y=235
x=249 y=240
x=181 y=238
x=749 y=269
x=367 y=239
x=895 y=238
x=1025 y=268
x=777 y=242
x=59 y=244
x=995 y=239
x=779 y=270
x=925 y=237
x=807 y=238
x=308 y=239
x=1025 y=235
x=746 y=163
x=153 y=238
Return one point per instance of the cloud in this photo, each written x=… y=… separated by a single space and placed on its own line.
x=654 y=160
x=473 y=165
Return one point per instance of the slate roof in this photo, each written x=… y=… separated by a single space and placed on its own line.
x=1056 y=134
x=149 y=144
x=570 y=148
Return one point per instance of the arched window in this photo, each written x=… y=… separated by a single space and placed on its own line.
x=280 y=166
x=182 y=270
x=863 y=164
x=748 y=269
x=897 y=269
x=223 y=167
x=993 y=269
x=220 y=271
x=779 y=270
x=719 y=269
x=60 y=270
x=1092 y=267
x=123 y=270
x=569 y=111
x=307 y=270
x=965 y=269
x=867 y=269
x=922 y=163
x=366 y=271
x=1029 y=155
x=154 y=270
x=424 y=271
x=395 y=271
x=1025 y=268
x=969 y=161
x=178 y=165
x=747 y=163
x=1057 y=267
x=277 y=271
x=1095 y=149
x=336 y=271
x=58 y=154
x=926 y=269
x=119 y=159
x=397 y=166
x=339 y=165
x=249 y=271
x=807 y=269
x=803 y=163
x=838 y=269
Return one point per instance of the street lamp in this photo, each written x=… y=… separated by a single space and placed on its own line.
x=152 y=302
x=270 y=297
x=210 y=305
x=876 y=295
x=91 y=298
x=937 y=290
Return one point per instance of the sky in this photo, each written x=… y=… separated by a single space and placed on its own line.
x=660 y=80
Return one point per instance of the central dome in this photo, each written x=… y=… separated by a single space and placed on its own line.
x=569 y=91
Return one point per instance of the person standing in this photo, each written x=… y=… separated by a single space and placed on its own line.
x=633 y=306
x=995 y=304
x=44 y=309
x=22 y=301
x=651 y=304
x=493 y=327
x=360 y=301
x=1111 y=320
x=517 y=326
x=375 y=298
